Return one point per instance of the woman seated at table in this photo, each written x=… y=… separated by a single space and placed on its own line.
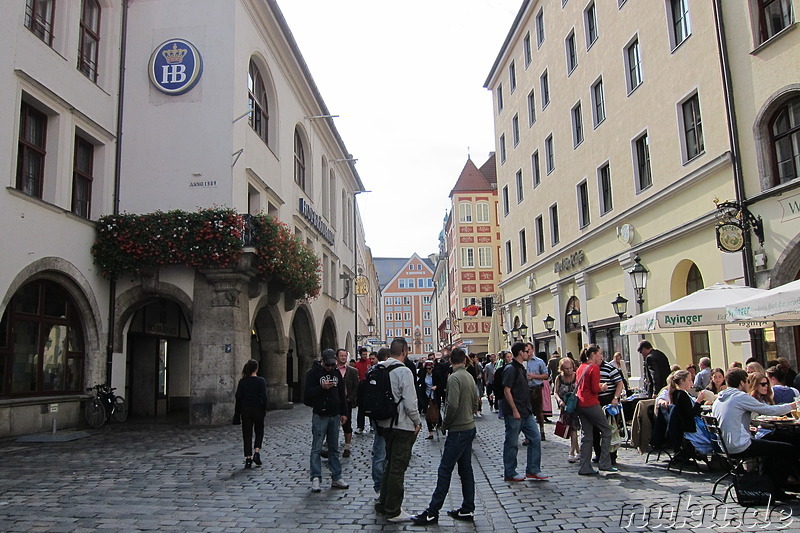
x=716 y=385
x=685 y=410
x=760 y=388
x=780 y=392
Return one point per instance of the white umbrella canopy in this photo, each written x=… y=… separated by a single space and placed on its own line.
x=703 y=310
x=779 y=304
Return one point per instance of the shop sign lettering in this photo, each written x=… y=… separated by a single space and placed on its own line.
x=568 y=262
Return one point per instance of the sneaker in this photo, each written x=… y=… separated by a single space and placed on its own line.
x=346 y=453
x=514 y=478
x=257 y=459
x=424 y=518
x=480 y=415
x=339 y=484
x=248 y=463
x=402 y=517
x=591 y=473
x=460 y=514
x=526 y=442
x=572 y=459
x=537 y=477
x=315 y=484
x=595 y=459
x=610 y=470
x=358 y=431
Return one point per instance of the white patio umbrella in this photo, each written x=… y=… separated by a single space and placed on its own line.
x=779 y=304
x=703 y=310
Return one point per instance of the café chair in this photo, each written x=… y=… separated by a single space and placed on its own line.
x=659 y=441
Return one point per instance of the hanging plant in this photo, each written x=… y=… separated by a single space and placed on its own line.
x=206 y=239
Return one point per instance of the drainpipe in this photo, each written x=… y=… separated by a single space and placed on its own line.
x=756 y=336
x=112 y=288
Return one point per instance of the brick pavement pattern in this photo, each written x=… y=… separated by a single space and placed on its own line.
x=141 y=476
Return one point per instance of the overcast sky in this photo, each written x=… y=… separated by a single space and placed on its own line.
x=406 y=78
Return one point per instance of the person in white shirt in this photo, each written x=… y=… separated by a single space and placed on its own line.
x=732 y=411
x=703 y=378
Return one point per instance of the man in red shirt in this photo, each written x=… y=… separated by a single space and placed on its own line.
x=362 y=365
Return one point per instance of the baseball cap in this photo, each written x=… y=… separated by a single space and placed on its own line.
x=328 y=357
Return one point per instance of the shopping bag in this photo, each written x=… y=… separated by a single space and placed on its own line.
x=563 y=430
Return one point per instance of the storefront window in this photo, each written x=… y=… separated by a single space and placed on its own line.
x=611 y=341
x=45 y=353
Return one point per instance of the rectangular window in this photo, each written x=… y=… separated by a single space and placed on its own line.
x=426 y=300
x=555 y=236
x=644 y=178
x=590 y=20
x=82 y=178
x=508 y=257
x=583 y=204
x=515 y=129
x=572 y=55
x=523 y=247
x=503 y=148
x=604 y=187
x=465 y=212
x=427 y=329
x=389 y=333
x=539 y=235
x=692 y=127
x=487 y=305
x=499 y=92
x=407 y=299
x=520 y=190
x=526 y=49
x=31 y=156
x=398 y=317
x=598 y=103
x=485 y=256
x=39 y=19
x=531 y=108
x=512 y=77
x=406 y=332
x=388 y=300
x=406 y=316
x=89 y=43
x=545 y=89
x=550 y=161
x=537 y=175
x=388 y=317
x=468 y=257
x=505 y=200
x=679 y=13
x=773 y=17
x=577 y=125
x=481 y=212
x=633 y=64
x=398 y=300
x=540 y=29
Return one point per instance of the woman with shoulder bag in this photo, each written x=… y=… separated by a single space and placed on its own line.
x=564 y=384
x=251 y=405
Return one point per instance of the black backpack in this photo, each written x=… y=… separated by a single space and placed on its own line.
x=378 y=401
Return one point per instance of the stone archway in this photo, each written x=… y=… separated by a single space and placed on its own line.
x=328 y=338
x=268 y=348
x=302 y=352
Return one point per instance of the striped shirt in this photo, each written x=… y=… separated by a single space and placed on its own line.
x=610 y=375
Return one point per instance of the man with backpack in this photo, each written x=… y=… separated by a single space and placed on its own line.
x=399 y=429
x=324 y=391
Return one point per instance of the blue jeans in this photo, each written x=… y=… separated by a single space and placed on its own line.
x=378 y=458
x=457 y=449
x=322 y=426
x=527 y=425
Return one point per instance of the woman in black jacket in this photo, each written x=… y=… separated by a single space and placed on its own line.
x=685 y=408
x=251 y=405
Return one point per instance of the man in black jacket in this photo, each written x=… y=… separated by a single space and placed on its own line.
x=656 y=368
x=324 y=391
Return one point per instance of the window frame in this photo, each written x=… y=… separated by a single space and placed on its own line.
x=590 y=24
x=527 y=52
x=509 y=260
x=515 y=129
x=88 y=60
x=555 y=232
x=258 y=102
x=604 y=185
x=679 y=21
x=467 y=257
x=549 y=155
x=300 y=158
x=774 y=163
x=763 y=30
x=27 y=149
x=465 y=212
x=691 y=122
x=540 y=34
x=40 y=25
x=577 y=125
x=480 y=207
x=512 y=77
x=571 y=49
x=499 y=98
x=531 y=108
x=523 y=247
x=544 y=88
x=540 y=243
x=519 y=186
x=633 y=70
x=639 y=165
x=485 y=257
x=584 y=213
x=506 y=204
x=598 y=103
x=536 y=169
x=502 y=143
x=82 y=176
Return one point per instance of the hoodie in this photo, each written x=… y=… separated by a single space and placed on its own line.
x=732 y=411
x=404 y=391
x=330 y=402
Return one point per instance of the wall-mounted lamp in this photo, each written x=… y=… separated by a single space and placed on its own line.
x=549 y=323
x=515 y=333
x=639 y=277
x=574 y=318
x=620 y=305
x=523 y=331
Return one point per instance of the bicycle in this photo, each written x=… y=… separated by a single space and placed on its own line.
x=105 y=406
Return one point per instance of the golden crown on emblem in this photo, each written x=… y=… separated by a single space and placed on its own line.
x=174 y=54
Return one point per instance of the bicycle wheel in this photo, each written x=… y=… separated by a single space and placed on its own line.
x=95 y=413
x=120 y=411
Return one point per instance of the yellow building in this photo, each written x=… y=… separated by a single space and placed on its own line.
x=764 y=51
x=612 y=140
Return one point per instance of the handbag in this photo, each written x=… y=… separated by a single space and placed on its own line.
x=571 y=398
x=432 y=413
x=563 y=430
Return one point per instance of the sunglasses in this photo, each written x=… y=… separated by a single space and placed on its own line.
x=764 y=383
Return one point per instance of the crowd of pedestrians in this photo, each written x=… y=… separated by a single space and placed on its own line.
x=444 y=392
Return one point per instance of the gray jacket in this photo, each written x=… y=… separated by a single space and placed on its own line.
x=405 y=392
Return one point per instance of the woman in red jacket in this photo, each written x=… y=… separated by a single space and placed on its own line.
x=590 y=412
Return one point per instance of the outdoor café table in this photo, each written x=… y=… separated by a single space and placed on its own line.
x=780 y=429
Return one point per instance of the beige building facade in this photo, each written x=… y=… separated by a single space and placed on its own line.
x=612 y=142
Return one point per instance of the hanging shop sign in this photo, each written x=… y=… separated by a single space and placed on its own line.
x=316 y=220
x=175 y=67
x=730 y=237
x=569 y=262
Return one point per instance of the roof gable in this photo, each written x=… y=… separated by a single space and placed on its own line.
x=471 y=179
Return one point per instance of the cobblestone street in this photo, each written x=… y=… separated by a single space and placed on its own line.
x=159 y=477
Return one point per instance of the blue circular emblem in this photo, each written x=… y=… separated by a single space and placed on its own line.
x=175 y=66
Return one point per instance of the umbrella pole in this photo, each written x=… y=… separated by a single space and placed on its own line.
x=724 y=348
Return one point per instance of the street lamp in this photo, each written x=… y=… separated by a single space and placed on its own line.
x=523 y=331
x=574 y=318
x=370 y=327
x=515 y=333
x=549 y=323
x=639 y=277
x=620 y=306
